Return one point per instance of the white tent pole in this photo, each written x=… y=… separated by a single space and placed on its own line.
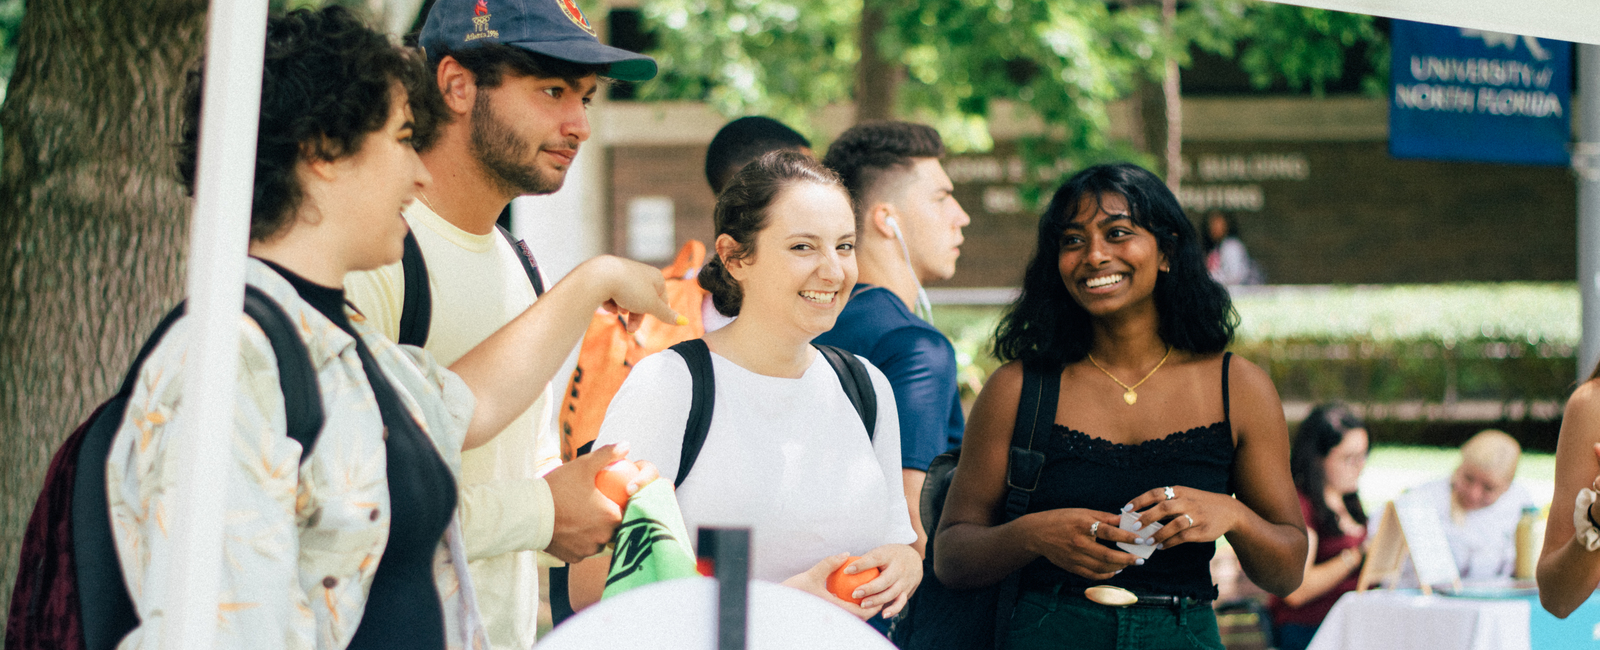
x=1586 y=161
x=219 y=235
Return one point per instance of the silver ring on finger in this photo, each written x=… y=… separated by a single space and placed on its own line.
x=1094 y=529
x=1191 y=520
x=1169 y=493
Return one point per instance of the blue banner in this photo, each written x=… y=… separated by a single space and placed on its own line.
x=1471 y=95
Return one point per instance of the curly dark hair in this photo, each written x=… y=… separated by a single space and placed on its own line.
x=743 y=140
x=741 y=213
x=1321 y=431
x=864 y=155
x=1047 y=326
x=325 y=85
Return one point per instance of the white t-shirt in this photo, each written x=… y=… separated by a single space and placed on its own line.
x=788 y=458
x=1485 y=544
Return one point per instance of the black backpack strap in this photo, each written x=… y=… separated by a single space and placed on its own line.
x=525 y=255
x=857 y=384
x=302 y=398
x=148 y=347
x=1227 y=413
x=416 y=312
x=1036 y=414
x=108 y=611
x=703 y=387
x=105 y=607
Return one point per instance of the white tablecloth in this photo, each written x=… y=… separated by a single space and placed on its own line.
x=1389 y=619
x=681 y=615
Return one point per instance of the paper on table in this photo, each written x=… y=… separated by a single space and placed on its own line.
x=1430 y=551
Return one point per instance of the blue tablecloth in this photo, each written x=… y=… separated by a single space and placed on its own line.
x=1580 y=631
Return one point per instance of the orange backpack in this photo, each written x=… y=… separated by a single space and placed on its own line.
x=609 y=351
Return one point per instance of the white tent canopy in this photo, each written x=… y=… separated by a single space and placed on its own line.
x=1566 y=20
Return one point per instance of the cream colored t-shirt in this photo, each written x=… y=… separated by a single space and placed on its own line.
x=478 y=284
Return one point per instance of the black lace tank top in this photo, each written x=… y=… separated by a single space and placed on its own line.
x=403 y=608
x=1082 y=471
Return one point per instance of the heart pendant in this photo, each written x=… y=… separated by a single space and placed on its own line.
x=1130 y=397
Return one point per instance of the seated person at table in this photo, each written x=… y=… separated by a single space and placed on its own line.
x=1329 y=452
x=1478 y=506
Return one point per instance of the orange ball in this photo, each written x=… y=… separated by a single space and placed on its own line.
x=613 y=481
x=844 y=586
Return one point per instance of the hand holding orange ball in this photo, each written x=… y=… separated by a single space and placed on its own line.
x=613 y=481
x=844 y=585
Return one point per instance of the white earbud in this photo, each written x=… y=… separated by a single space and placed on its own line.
x=924 y=307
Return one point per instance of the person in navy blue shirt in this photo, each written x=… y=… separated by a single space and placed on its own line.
x=909 y=232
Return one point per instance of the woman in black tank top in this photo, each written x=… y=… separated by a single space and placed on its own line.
x=1153 y=418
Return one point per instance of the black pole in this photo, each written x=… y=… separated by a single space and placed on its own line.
x=729 y=552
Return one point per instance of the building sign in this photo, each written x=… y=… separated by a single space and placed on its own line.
x=1464 y=94
x=1232 y=182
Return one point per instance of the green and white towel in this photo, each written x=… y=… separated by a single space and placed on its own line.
x=652 y=544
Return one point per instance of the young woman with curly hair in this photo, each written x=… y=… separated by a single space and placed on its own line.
x=345 y=546
x=1152 y=417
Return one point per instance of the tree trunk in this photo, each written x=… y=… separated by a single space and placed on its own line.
x=1150 y=111
x=876 y=79
x=93 y=221
x=1172 y=96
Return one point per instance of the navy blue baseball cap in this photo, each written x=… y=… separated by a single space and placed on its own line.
x=554 y=28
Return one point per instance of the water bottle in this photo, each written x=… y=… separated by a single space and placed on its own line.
x=1527 y=544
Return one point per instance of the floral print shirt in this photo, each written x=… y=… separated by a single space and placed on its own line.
x=302 y=540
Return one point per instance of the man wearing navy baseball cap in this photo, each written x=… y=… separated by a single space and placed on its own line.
x=515 y=78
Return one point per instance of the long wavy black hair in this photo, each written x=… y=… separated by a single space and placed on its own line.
x=1321 y=431
x=1047 y=326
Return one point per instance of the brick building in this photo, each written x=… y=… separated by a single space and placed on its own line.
x=1309 y=181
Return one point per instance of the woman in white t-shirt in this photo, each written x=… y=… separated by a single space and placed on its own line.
x=786 y=455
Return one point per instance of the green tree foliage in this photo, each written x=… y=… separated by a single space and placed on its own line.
x=784 y=58
x=1060 y=62
x=10 y=21
x=1307 y=47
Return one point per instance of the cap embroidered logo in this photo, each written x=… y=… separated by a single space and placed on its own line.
x=480 y=22
x=570 y=8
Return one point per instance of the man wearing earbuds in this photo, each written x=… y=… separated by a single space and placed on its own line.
x=910 y=233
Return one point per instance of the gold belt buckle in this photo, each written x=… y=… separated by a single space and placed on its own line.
x=1110 y=596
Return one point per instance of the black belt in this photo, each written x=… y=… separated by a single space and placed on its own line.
x=1111 y=596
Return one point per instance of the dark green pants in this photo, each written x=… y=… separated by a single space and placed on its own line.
x=1046 y=620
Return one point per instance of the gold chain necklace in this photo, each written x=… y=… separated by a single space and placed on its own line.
x=1130 y=397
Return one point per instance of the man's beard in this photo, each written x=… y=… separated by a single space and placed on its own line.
x=503 y=154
